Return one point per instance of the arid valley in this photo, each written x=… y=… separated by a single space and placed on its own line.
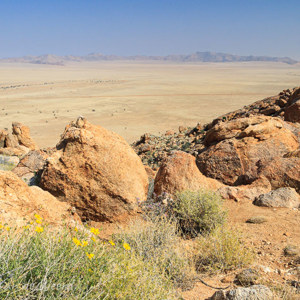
x=132 y=98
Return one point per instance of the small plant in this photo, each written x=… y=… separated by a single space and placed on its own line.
x=198 y=212
x=222 y=250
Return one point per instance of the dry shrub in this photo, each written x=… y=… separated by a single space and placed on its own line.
x=222 y=250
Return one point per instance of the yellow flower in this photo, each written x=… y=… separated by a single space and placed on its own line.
x=37 y=216
x=84 y=243
x=76 y=229
x=1 y=226
x=90 y=270
x=93 y=239
x=26 y=227
x=31 y=222
x=89 y=255
x=126 y=246
x=39 y=229
x=38 y=221
x=95 y=231
x=7 y=228
x=112 y=243
x=76 y=242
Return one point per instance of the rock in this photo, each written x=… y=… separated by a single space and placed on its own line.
x=282 y=197
x=19 y=203
x=292 y=113
x=281 y=172
x=291 y=250
x=254 y=292
x=257 y=220
x=97 y=172
x=31 y=166
x=182 y=129
x=151 y=174
x=22 y=133
x=179 y=172
x=235 y=148
x=170 y=132
x=18 y=143
x=247 y=277
x=246 y=192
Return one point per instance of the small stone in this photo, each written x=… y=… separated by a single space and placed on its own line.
x=291 y=250
x=247 y=277
x=257 y=220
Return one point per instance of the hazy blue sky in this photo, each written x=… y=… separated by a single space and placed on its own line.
x=157 y=27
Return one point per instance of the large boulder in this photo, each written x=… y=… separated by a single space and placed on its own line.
x=179 y=172
x=282 y=197
x=19 y=203
x=282 y=171
x=234 y=148
x=97 y=172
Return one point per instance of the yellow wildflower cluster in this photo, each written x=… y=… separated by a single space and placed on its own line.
x=95 y=231
x=79 y=243
x=89 y=255
x=38 y=219
x=126 y=246
x=39 y=229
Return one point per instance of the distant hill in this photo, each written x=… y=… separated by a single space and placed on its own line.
x=195 y=57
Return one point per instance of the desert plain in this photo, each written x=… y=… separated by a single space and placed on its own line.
x=130 y=97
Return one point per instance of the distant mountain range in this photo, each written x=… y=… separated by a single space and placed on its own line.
x=49 y=59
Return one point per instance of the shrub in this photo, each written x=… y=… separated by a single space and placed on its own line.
x=198 y=212
x=222 y=250
x=157 y=242
x=39 y=263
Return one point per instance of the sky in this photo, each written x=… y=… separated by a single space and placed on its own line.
x=149 y=27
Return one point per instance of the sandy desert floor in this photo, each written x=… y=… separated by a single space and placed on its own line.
x=132 y=98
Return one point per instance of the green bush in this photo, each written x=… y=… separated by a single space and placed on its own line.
x=39 y=263
x=222 y=250
x=198 y=212
x=157 y=242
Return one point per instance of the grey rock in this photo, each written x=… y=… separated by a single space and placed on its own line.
x=254 y=292
x=282 y=197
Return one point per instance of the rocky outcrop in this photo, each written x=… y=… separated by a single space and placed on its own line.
x=254 y=292
x=31 y=166
x=154 y=149
x=19 y=203
x=234 y=148
x=275 y=106
x=22 y=135
x=282 y=197
x=179 y=172
x=97 y=172
x=17 y=143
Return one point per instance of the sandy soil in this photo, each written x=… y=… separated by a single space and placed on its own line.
x=132 y=98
